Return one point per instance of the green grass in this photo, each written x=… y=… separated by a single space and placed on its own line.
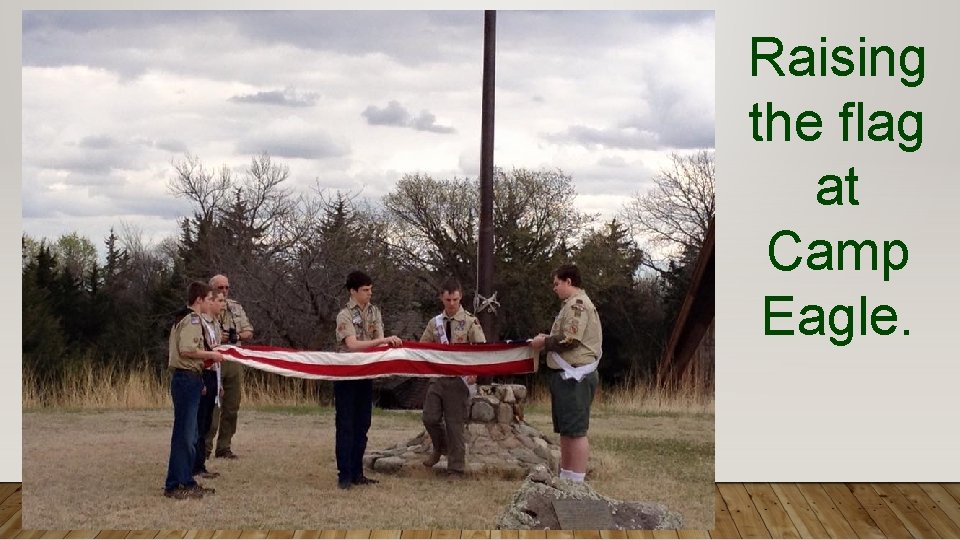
x=680 y=459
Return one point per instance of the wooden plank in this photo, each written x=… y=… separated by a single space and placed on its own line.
x=200 y=533
x=666 y=533
x=445 y=533
x=953 y=489
x=532 y=533
x=613 y=534
x=142 y=534
x=171 y=533
x=228 y=533
x=415 y=533
x=388 y=533
x=280 y=533
x=332 y=534
x=30 y=533
x=112 y=533
x=946 y=502
x=55 y=534
x=82 y=534
x=360 y=533
x=251 y=533
x=886 y=520
x=310 y=533
x=801 y=515
x=503 y=534
x=930 y=510
x=555 y=533
x=641 y=534
x=10 y=512
x=771 y=511
x=8 y=489
x=692 y=533
x=12 y=526
x=853 y=511
x=743 y=512
x=826 y=511
x=723 y=525
x=905 y=512
x=586 y=534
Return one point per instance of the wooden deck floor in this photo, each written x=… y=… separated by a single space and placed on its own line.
x=743 y=511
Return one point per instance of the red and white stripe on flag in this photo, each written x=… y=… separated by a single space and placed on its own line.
x=411 y=359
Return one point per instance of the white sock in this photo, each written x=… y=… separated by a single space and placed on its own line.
x=570 y=475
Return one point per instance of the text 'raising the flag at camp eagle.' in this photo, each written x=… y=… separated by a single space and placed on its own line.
x=898 y=69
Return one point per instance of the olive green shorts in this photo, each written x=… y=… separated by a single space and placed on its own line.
x=570 y=403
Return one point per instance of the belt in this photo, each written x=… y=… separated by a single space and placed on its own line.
x=187 y=371
x=570 y=372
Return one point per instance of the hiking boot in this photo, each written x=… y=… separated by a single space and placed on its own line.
x=432 y=460
x=344 y=484
x=363 y=480
x=181 y=493
x=197 y=488
x=227 y=454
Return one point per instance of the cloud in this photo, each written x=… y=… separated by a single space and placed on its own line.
x=293 y=140
x=395 y=114
x=97 y=142
x=623 y=138
x=285 y=98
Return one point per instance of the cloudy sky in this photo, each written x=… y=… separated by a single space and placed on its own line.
x=348 y=100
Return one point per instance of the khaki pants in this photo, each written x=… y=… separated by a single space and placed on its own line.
x=225 y=416
x=444 y=415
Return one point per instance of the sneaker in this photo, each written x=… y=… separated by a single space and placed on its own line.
x=182 y=493
x=227 y=454
x=200 y=489
x=363 y=480
x=432 y=460
x=344 y=484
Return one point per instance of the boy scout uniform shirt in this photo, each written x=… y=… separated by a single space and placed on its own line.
x=464 y=328
x=235 y=317
x=364 y=324
x=578 y=322
x=186 y=336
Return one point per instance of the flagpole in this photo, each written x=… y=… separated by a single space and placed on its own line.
x=485 y=263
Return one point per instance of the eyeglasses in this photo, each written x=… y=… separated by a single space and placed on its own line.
x=223 y=287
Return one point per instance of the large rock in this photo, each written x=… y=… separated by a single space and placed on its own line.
x=498 y=441
x=482 y=412
x=532 y=507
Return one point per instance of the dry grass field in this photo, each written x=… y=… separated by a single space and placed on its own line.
x=90 y=468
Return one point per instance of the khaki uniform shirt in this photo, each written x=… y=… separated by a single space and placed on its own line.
x=235 y=317
x=186 y=336
x=578 y=322
x=213 y=329
x=464 y=328
x=364 y=324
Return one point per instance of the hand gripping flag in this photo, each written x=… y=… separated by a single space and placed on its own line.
x=411 y=359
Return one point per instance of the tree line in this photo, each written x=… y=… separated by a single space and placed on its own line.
x=287 y=253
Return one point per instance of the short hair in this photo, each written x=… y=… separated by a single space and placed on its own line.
x=451 y=285
x=197 y=289
x=568 y=271
x=357 y=279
